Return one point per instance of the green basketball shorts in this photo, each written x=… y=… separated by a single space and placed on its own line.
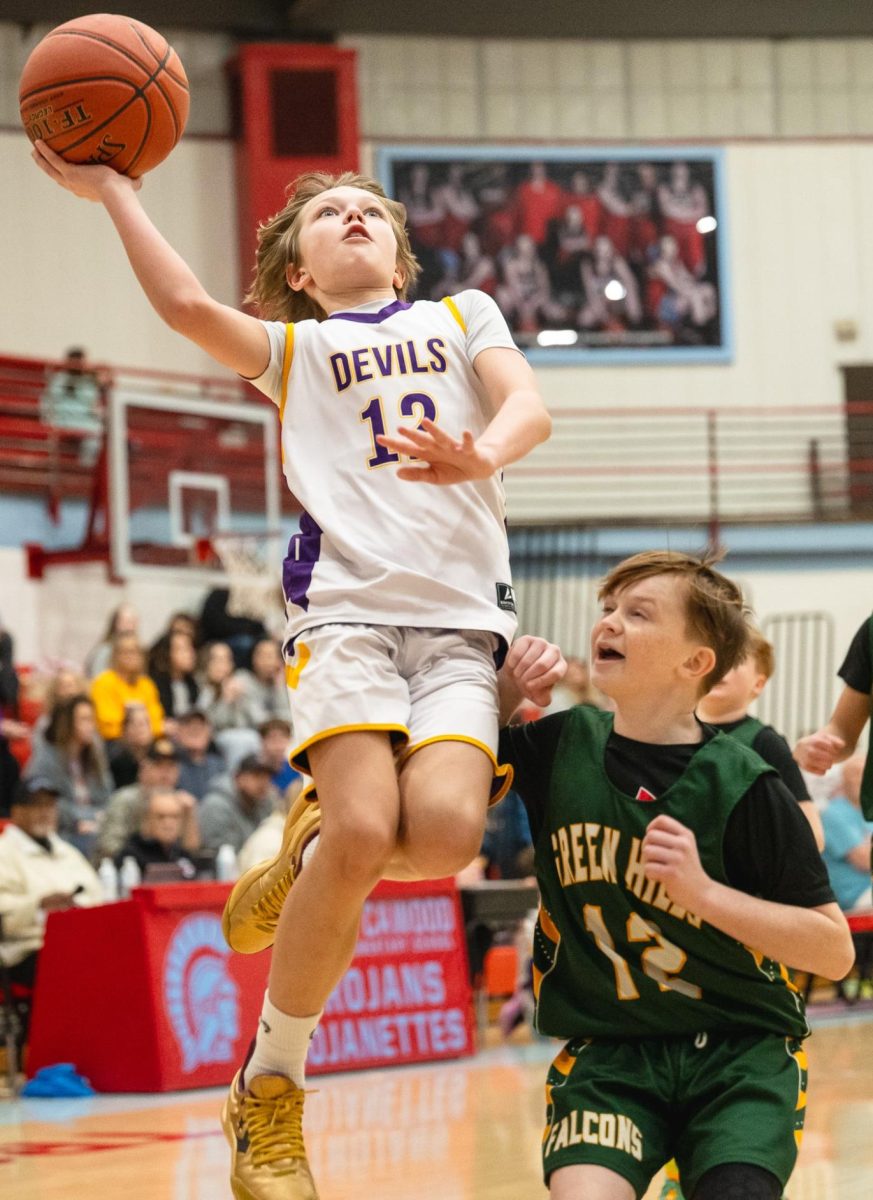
x=715 y=1098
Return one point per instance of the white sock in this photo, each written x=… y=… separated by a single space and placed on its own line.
x=281 y=1045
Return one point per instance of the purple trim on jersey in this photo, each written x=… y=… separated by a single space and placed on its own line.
x=303 y=551
x=373 y=318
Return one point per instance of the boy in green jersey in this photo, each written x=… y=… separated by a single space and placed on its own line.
x=677 y=875
x=726 y=707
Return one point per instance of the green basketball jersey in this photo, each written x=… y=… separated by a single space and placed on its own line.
x=613 y=956
x=747 y=731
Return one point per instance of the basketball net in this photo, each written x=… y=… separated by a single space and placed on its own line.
x=251 y=564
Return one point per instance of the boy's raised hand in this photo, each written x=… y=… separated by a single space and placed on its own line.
x=818 y=752
x=670 y=856
x=85 y=180
x=442 y=459
x=532 y=668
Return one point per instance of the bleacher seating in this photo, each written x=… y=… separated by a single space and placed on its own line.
x=35 y=459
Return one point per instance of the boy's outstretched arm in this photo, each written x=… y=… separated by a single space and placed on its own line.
x=810 y=939
x=520 y=422
x=531 y=669
x=836 y=741
x=231 y=337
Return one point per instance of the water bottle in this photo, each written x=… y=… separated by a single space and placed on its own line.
x=225 y=864
x=129 y=876
x=108 y=877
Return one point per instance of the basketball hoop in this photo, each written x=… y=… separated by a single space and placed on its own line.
x=251 y=563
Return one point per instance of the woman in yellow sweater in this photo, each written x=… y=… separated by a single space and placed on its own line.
x=124 y=683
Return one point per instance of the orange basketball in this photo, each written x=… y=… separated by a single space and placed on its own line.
x=105 y=89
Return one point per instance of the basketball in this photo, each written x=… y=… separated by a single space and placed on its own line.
x=105 y=89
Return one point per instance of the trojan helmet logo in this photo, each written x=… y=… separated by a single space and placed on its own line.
x=201 y=999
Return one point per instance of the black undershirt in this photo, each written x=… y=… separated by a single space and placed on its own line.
x=857 y=668
x=768 y=849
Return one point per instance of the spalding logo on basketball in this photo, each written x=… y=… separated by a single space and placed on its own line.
x=200 y=998
x=105 y=89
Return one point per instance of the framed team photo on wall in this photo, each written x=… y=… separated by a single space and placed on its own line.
x=593 y=255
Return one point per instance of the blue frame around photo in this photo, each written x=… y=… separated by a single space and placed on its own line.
x=666 y=296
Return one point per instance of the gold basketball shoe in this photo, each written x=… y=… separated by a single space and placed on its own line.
x=252 y=910
x=264 y=1127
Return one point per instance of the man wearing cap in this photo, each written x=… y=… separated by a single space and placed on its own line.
x=39 y=873
x=127 y=807
x=233 y=809
x=199 y=764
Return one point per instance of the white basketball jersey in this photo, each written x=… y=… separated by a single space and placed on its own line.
x=372 y=548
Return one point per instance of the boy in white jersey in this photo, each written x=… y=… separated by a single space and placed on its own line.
x=399 y=597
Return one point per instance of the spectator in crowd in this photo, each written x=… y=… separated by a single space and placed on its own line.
x=575 y=688
x=158 y=839
x=123 y=619
x=507 y=848
x=72 y=400
x=10 y=771
x=233 y=809
x=275 y=749
x=223 y=694
x=158 y=769
x=218 y=625
x=64 y=684
x=10 y=727
x=9 y=685
x=124 y=683
x=847 y=841
x=612 y=294
x=39 y=873
x=264 y=685
x=128 y=751
x=71 y=757
x=172 y=672
x=266 y=841
x=199 y=763
x=180 y=622
x=726 y=707
x=507 y=852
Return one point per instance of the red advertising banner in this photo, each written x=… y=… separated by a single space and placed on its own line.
x=144 y=995
x=406 y=996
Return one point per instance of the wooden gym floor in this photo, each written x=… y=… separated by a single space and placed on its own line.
x=468 y=1130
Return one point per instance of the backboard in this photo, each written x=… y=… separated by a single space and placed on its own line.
x=183 y=468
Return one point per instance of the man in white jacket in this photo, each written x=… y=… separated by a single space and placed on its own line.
x=39 y=874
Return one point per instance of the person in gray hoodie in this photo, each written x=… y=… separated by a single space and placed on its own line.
x=234 y=807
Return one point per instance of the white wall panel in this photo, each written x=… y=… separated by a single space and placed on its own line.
x=66 y=280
